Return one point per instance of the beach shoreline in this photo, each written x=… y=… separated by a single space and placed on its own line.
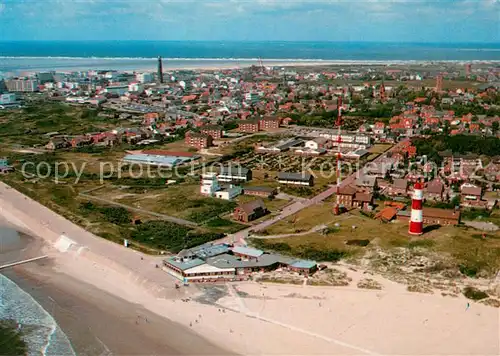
x=254 y=318
x=33 y=65
x=96 y=322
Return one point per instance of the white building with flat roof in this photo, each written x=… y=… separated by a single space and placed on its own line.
x=22 y=85
x=135 y=87
x=209 y=184
x=8 y=98
x=144 y=77
x=229 y=193
x=117 y=89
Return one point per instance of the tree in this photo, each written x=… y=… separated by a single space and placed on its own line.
x=455 y=201
x=494 y=127
x=446 y=128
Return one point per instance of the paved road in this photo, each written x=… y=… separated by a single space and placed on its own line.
x=294 y=208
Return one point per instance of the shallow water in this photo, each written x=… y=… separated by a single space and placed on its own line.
x=9 y=239
x=42 y=334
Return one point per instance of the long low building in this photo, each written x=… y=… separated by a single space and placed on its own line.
x=217 y=263
x=434 y=216
x=234 y=173
x=296 y=178
x=157 y=159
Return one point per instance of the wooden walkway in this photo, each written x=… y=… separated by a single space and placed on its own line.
x=22 y=262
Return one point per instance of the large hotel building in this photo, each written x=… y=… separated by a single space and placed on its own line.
x=21 y=85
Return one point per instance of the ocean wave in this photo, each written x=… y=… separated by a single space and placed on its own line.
x=42 y=334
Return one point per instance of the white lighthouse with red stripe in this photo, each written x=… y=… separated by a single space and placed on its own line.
x=417 y=218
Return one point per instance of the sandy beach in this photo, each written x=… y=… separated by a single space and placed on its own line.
x=96 y=322
x=244 y=318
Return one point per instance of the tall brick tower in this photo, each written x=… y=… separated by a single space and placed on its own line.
x=439 y=83
x=382 y=92
x=468 y=70
x=160 y=71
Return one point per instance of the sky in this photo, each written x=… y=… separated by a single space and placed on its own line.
x=441 y=21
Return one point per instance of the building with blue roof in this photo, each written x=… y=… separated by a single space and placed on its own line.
x=247 y=252
x=210 y=263
x=303 y=264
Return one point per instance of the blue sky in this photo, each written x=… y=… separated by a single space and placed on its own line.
x=287 y=20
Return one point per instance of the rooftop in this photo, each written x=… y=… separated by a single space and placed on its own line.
x=303 y=264
x=207 y=250
x=248 y=251
x=294 y=176
x=233 y=170
x=260 y=189
x=184 y=263
x=158 y=160
x=251 y=206
x=265 y=260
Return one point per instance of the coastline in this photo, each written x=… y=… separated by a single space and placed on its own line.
x=253 y=318
x=96 y=322
x=25 y=65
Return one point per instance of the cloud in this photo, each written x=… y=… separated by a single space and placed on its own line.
x=252 y=19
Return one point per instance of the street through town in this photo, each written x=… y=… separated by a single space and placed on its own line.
x=239 y=237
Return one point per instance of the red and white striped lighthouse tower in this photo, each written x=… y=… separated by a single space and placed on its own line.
x=417 y=219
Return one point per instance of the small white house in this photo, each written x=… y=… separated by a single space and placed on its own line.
x=317 y=143
x=229 y=193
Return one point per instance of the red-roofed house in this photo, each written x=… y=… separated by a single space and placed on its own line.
x=379 y=128
x=198 y=140
x=269 y=123
x=213 y=130
x=189 y=98
x=248 y=126
x=474 y=128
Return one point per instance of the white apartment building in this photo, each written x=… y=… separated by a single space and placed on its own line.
x=22 y=85
x=135 y=87
x=8 y=98
x=210 y=186
x=349 y=140
x=144 y=77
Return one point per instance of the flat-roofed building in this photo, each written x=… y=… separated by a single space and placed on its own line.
x=247 y=252
x=265 y=192
x=156 y=160
x=218 y=263
x=296 y=178
x=434 y=216
x=22 y=84
x=269 y=123
x=249 y=126
x=116 y=89
x=198 y=140
x=213 y=130
x=317 y=143
x=234 y=173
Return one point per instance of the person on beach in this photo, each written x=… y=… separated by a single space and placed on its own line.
x=467 y=306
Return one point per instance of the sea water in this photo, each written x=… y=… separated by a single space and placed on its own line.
x=42 y=334
x=16 y=57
